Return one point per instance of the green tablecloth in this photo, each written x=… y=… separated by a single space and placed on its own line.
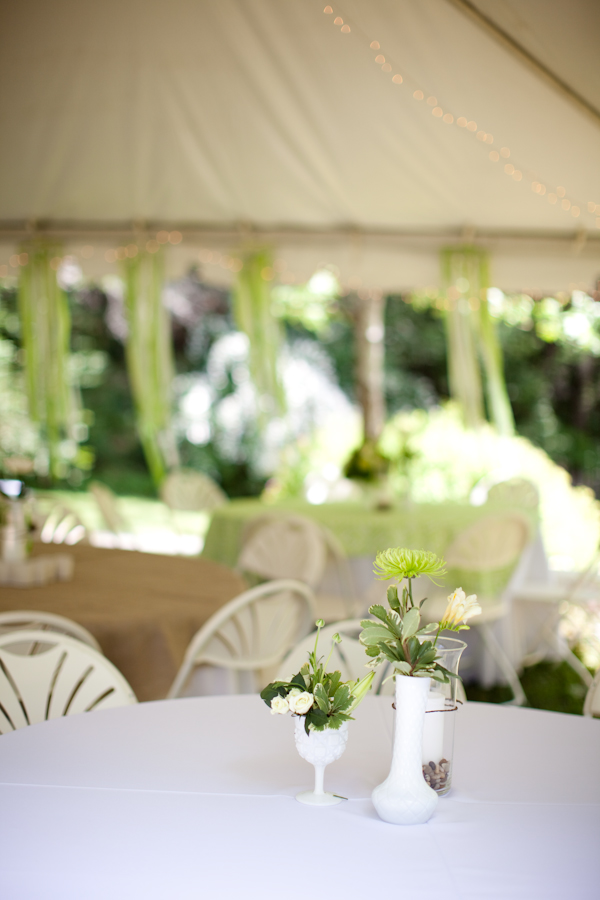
x=361 y=531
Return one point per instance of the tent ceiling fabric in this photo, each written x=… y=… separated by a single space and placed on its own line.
x=224 y=117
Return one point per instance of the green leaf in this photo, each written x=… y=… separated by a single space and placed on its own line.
x=379 y=611
x=375 y=633
x=315 y=717
x=410 y=623
x=372 y=651
x=403 y=667
x=429 y=628
x=320 y=695
x=425 y=659
x=413 y=646
x=342 y=698
x=334 y=682
x=298 y=681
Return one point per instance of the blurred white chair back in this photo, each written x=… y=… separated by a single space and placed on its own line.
x=515 y=492
x=591 y=707
x=63 y=677
x=283 y=547
x=493 y=542
x=108 y=507
x=62 y=526
x=239 y=649
x=290 y=546
x=188 y=490
x=36 y=620
x=480 y=555
x=349 y=656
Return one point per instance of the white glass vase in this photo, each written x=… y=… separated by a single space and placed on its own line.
x=404 y=798
x=320 y=748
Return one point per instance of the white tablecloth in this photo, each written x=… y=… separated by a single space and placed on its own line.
x=195 y=798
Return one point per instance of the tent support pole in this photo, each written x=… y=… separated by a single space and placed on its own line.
x=469 y=9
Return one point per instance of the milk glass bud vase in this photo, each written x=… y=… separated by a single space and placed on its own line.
x=320 y=748
x=405 y=798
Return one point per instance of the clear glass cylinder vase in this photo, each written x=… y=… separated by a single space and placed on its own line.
x=440 y=720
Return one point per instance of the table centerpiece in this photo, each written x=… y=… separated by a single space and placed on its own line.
x=394 y=637
x=322 y=705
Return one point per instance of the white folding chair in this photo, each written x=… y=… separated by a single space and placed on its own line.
x=188 y=490
x=36 y=620
x=246 y=640
x=291 y=546
x=63 y=677
x=481 y=555
x=591 y=706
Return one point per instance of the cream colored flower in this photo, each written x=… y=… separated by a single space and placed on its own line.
x=279 y=705
x=301 y=702
x=460 y=608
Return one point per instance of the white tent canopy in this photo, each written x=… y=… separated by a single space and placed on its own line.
x=243 y=122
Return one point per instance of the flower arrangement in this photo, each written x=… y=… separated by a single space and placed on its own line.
x=321 y=697
x=395 y=635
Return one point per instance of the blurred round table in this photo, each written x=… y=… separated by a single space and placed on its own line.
x=143 y=608
x=190 y=798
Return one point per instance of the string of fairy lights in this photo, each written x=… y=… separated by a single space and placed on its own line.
x=556 y=196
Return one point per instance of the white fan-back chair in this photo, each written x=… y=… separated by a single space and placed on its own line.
x=188 y=490
x=36 y=620
x=62 y=678
x=349 y=657
x=515 y=492
x=240 y=647
x=290 y=546
x=591 y=707
x=487 y=547
x=108 y=506
x=574 y=589
x=62 y=526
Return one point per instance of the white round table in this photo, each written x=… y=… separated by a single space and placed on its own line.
x=195 y=798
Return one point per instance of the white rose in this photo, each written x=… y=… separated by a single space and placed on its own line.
x=279 y=705
x=300 y=703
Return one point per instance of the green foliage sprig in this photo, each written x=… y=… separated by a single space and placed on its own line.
x=395 y=635
x=321 y=697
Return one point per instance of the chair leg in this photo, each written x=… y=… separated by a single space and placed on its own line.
x=504 y=664
x=550 y=634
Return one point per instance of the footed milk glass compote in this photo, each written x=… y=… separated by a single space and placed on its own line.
x=322 y=705
x=320 y=748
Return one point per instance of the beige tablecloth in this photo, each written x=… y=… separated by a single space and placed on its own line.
x=142 y=608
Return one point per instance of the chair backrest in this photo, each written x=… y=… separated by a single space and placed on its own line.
x=591 y=706
x=186 y=489
x=492 y=542
x=36 y=620
x=516 y=492
x=275 y=546
x=349 y=656
x=63 y=677
x=63 y=526
x=107 y=504
x=251 y=634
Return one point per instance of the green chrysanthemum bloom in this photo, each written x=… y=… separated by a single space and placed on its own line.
x=400 y=563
